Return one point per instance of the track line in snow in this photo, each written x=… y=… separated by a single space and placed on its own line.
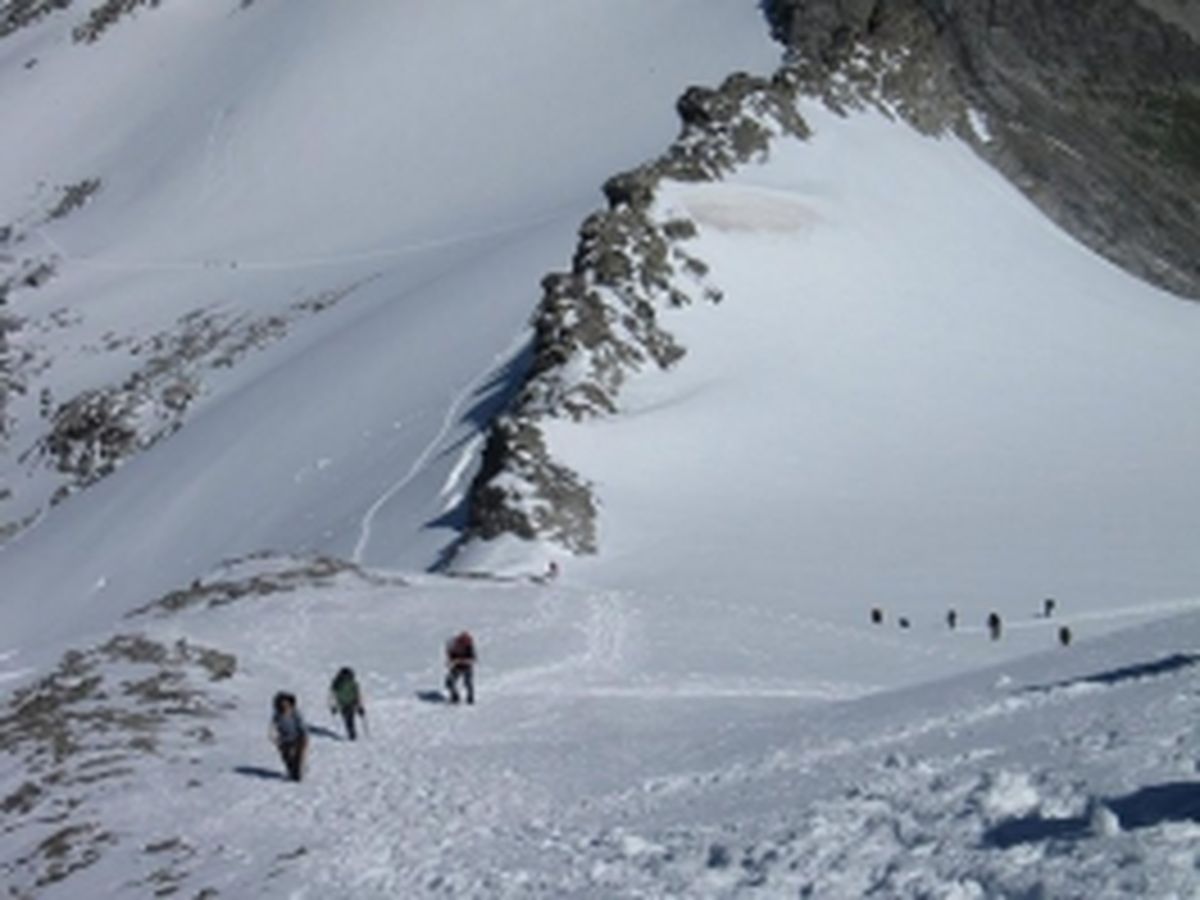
x=449 y=418
x=604 y=654
x=296 y=262
x=452 y=490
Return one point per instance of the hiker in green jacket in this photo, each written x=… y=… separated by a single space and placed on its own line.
x=346 y=698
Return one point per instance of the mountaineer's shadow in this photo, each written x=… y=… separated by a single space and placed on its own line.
x=323 y=732
x=260 y=772
x=1177 y=801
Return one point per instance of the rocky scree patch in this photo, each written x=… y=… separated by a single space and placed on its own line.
x=261 y=575
x=85 y=729
x=89 y=435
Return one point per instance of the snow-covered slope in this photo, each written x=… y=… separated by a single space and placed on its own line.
x=916 y=394
x=303 y=280
x=582 y=771
x=312 y=235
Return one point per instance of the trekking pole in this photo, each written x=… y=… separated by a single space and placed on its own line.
x=366 y=727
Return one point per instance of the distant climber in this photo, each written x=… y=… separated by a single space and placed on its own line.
x=903 y=622
x=952 y=619
x=460 y=666
x=876 y=615
x=548 y=576
x=1048 y=607
x=1064 y=636
x=345 y=698
x=290 y=734
x=994 y=626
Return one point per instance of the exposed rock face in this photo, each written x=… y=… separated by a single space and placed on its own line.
x=91 y=434
x=20 y=13
x=1092 y=106
x=1183 y=13
x=598 y=323
x=103 y=15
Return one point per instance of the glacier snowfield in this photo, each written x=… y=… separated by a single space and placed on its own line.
x=328 y=223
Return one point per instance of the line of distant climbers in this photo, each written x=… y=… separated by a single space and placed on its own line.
x=995 y=625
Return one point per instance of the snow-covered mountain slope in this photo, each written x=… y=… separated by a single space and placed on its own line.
x=582 y=771
x=916 y=394
x=277 y=278
x=310 y=235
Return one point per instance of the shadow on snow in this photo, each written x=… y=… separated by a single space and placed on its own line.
x=490 y=400
x=323 y=732
x=1154 y=669
x=260 y=772
x=1173 y=802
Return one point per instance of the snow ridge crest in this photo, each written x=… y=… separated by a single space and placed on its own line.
x=597 y=323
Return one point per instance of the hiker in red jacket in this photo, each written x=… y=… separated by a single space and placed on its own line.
x=460 y=666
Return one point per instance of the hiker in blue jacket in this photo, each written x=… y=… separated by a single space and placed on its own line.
x=290 y=734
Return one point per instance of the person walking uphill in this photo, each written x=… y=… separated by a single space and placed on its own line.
x=460 y=666
x=345 y=697
x=289 y=734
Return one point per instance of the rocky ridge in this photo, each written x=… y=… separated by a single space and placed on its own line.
x=598 y=323
x=99 y=18
x=1092 y=109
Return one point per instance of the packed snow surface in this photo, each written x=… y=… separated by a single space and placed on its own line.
x=582 y=772
x=916 y=395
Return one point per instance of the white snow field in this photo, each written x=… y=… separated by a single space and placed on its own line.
x=916 y=394
x=1066 y=774
x=431 y=161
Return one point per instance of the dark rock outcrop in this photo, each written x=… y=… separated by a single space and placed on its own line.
x=104 y=16
x=18 y=14
x=599 y=322
x=1092 y=106
x=91 y=434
